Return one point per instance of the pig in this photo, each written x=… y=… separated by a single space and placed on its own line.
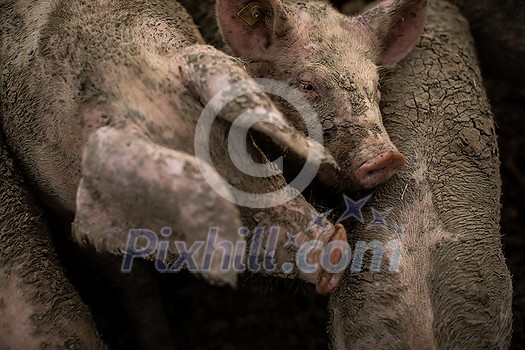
x=345 y=95
x=38 y=305
x=444 y=244
x=452 y=288
x=110 y=116
x=99 y=107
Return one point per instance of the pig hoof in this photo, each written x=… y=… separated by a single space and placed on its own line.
x=379 y=169
x=329 y=280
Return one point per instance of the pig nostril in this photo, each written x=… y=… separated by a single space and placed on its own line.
x=379 y=169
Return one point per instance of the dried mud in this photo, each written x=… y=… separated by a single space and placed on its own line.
x=272 y=313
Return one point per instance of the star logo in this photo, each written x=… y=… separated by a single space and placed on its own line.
x=320 y=219
x=291 y=240
x=354 y=208
x=400 y=230
x=379 y=217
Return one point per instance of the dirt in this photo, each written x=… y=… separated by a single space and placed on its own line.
x=269 y=313
x=273 y=313
x=262 y=313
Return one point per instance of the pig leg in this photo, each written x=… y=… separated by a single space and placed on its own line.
x=295 y=217
x=206 y=73
x=279 y=223
x=129 y=182
x=293 y=220
x=170 y=186
x=38 y=306
x=211 y=74
x=295 y=223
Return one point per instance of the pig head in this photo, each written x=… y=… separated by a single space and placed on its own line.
x=335 y=60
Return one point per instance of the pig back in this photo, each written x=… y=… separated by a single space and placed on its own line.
x=62 y=65
x=450 y=287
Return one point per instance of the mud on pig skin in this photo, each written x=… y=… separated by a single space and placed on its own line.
x=308 y=45
x=38 y=306
x=124 y=74
x=90 y=75
x=453 y=289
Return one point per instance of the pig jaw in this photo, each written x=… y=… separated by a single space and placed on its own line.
x=359 y=143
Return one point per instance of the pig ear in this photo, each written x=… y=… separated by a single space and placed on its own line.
x=397 y=25
x=250 y=28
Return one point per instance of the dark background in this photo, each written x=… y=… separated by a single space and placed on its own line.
x=508 y=103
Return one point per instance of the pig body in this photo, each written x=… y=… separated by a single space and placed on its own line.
x=38 y=305
x=145 y=87
x=453 y=289
x=99 y=106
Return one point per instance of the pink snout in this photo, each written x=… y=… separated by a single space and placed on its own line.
x=379 y=169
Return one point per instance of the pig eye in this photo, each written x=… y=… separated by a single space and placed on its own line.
x=305 y=82
x=308 y=86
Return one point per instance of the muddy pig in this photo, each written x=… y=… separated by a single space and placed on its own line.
x=451 y=289
x=38 y=305
x=339 y=62
x=100 y=103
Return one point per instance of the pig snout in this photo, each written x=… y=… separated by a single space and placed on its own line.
x=379 y=169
